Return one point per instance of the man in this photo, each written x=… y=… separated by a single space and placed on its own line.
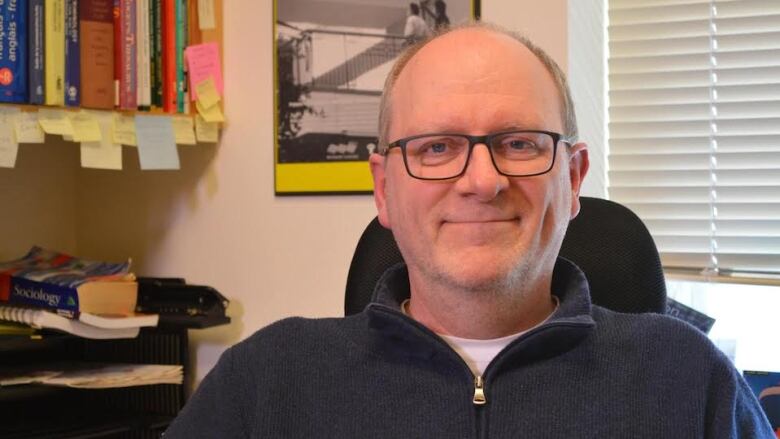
x=416 y=29
x=498 y=337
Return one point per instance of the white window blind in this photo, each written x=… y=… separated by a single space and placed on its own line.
x=694 y=128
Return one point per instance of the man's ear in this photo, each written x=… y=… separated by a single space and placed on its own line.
x=578 y=168
x=377 y=163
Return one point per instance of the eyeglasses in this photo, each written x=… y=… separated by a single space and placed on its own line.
x=444 y=156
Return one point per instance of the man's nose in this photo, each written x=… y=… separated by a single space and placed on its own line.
x=482 y=179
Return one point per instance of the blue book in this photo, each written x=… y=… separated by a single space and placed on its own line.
x=72 y=54
x=13 y=51
x=36 y=46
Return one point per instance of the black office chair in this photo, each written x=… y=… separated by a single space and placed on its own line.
x=606 y=240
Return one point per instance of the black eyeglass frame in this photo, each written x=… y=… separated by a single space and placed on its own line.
x=474 y=141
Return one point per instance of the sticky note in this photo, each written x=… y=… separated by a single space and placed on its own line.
x=55 y=122
x=211 y=114
x=183 y=130
x=123 y=129
x=206 y=17
x=207 y=132
x=207 y=93
x=85 y=127
x=9 y=148
x=27 y=129
x=156 y=142
x=103 y=154
x=202 y=62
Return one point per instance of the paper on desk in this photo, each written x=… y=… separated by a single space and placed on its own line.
x=55 y=122
x=206 y=18
x=207 y=132
x=156 y=142
x=203 y=61
x=123 y=130
x=85 y=127
x=102 y=154
x=27 y=129
x=183 y=130
x=9 y=148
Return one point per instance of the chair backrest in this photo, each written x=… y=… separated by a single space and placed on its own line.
x=606 y=240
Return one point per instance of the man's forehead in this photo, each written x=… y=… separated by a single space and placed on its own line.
x=469 y=66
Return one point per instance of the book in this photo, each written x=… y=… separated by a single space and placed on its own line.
x=128 y=78
x=43 y=319
x=155 y=49
x=54 y=56
x=97 y=50
x=182 y=37
x=143 y=88
x=13 y=51
x=35 y=52
x=36 y=258
x=72 y=54
x=69 y=286
x=117 y=49
x=766 y=387
x=169 y=55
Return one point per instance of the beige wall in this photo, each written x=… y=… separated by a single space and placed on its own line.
x=217 y=221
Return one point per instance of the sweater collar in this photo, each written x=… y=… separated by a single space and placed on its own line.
x=400 y=335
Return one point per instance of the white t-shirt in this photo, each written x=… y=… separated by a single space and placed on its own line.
x=479 y=353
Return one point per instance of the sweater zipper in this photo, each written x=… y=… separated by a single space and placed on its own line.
x=480 y=409
x=479 y=391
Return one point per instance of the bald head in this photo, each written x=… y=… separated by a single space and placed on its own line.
x=479 y=49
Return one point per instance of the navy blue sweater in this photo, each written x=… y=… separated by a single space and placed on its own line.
x=586 y=373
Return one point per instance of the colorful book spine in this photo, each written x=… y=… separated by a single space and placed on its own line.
x=72 y=54
x=13 y=51
x=36 y=51
x=128 y=79
x=169 y=55
x=143 y=90
x=155 y=48
x=54 y=66
x=117 y=48
x=97 y=53
x=182 y=36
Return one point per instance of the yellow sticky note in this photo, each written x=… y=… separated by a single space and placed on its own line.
x=27 y=128
x=183 y=130
x=207 y=93
x=211 y=114
x=85 y=128
x=55 y=122
x=103 y=154
x=9 y=148
x=206 y=15
x=207 y=132
x=123 y=130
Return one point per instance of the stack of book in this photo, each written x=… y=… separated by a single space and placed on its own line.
x=103 y=54
x=49 y=289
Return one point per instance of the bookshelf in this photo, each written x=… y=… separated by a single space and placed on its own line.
x=91 y=120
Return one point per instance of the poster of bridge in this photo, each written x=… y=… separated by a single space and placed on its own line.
x=331 y=58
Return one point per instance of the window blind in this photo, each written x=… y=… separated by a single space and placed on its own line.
x=694 y=129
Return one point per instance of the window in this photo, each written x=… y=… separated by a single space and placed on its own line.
x=694 y=150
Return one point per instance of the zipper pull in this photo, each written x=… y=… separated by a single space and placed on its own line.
x=479 y=391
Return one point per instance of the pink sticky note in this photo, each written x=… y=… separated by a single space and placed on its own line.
x=202 y=62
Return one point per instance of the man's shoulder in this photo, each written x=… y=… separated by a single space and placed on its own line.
x=654 y=332
x=295 y=336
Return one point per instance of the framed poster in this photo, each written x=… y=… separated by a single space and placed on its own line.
x=331 y=58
